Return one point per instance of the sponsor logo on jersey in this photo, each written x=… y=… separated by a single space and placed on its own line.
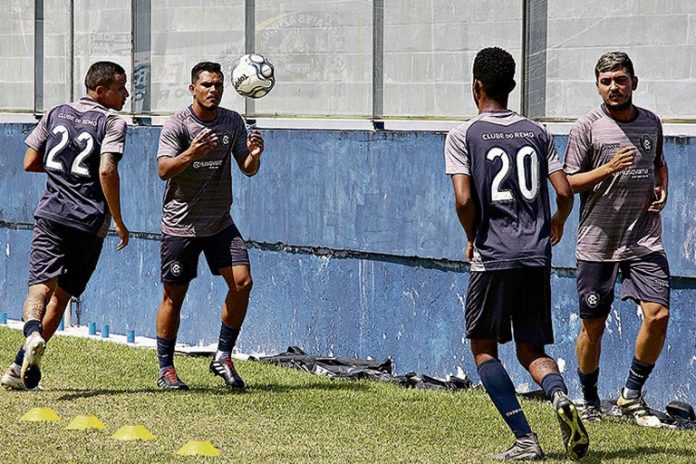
x=611 y=146
x=214 y=164
x=592 y=299
x=647 y=144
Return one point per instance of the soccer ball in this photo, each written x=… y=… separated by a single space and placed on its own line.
x=252 y=76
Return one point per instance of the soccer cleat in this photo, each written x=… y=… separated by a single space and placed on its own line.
x=525 y=448
x=225 y=368
x=11 y=381
x=170 y=381
x=575 y=438
x=34 y=349
x=638 y=408
x=591 y=412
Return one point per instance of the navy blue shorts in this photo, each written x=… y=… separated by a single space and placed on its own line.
x=179 y=255
x=643 y=279
x=64 y=252
x=519 y=297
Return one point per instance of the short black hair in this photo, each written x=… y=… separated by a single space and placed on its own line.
x=208 y=66
x=495 y=69
x=102 y=73
x=611 y=61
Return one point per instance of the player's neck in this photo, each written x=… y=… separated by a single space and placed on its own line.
x=487 y=104
x=204 y=114
x=627 y=114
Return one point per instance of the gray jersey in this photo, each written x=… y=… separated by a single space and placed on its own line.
x=615 y=224
x=197 y=202
x=72 y=137
x=508 y=158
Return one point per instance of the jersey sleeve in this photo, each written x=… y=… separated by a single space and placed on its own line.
x=39 y=136
x=170 y=140
x=115 y=137
x=659 y=146
x=456 y=154
x=578 y=150
x=554 y=163
x=240 y=150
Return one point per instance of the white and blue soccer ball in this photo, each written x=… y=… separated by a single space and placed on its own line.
x=253 y=76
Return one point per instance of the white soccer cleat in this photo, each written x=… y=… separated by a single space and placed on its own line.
x=11 y=381
x=34 y=349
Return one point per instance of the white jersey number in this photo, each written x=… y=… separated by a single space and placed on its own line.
x=78 y=168
x=529 y=189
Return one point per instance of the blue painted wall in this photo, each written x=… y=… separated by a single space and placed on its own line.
x=348 y=231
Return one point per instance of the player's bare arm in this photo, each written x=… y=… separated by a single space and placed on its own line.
x=466 y=209
x=251 y=164
x=564 y=204
x=202 y=143
x=662 y=178
x=33 y=161
x=111 y=185
x=586 y=180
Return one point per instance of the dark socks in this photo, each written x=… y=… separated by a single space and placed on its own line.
x=552 y=384
x=227 y=339
x=31 y=326
x=19 y=358
x=165 y=352
x=588 y=384
x=499 y=387
x=637 y=376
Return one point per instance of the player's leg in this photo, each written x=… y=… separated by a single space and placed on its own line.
x=595 y=285
x=646 y=280
x=179 y=260
x=533 y=328
x=227 y=255
x=487 y=323
x=51 y=320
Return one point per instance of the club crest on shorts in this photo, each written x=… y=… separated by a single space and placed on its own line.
x=647 y=144
x=592 y=299
x=176 y=269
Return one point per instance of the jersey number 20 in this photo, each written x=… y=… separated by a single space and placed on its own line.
x=78 y=168
x=529 y=189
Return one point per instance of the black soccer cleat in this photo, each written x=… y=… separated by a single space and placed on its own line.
x=170 y=381
x=525 y=448
x=575 y=438
x=225 y=368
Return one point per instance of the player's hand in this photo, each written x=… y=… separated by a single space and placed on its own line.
x=123 y=235
x=469 y=251
x=660 y=200
x=202 y=143
x=622 y=159
x=255 y=143
x=556 y=230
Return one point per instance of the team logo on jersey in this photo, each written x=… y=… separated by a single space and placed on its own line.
x=647 y=144
x=176 y=269
x=592 y=299
x=225 y=140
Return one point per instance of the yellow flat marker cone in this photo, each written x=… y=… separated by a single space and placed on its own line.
x=133 y=432
x=41 y=415
x=198 y=448
x=85 y=423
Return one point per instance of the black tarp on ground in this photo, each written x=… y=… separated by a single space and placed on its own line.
x=350 y=368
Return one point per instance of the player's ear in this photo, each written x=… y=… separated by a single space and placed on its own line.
x=513 y=85
x=191 y=87
x=634 y=82
x=476 y=90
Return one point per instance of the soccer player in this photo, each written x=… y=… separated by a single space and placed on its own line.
x=499 y=162
x=194 y=158
x=78 y=145
x=615 y=160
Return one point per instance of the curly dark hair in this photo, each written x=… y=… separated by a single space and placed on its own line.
x=611 y=61
x=208 y=66
x=495 y=69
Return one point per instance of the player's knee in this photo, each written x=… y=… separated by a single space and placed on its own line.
x=592 y=331
x=244 y=284
x=658 y=319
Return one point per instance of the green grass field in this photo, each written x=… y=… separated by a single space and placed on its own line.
x=285 y=416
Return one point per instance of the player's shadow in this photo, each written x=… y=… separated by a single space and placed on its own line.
x=629 y=453
x=71 y=394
